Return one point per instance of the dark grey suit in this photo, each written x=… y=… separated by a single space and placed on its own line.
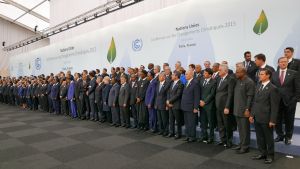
x=243 y=95
x=224 y=99
x=63 y=99
x=133 y=106
x=160 y=105
x=251 y=69
x=124 y=95
x=91 y=93
x=207 y=113
x=175 y=113
x=98 y=101
x=288 y=92
x=264 y=110
x=113 y=103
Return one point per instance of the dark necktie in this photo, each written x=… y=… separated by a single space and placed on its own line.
x=221 y=81
x=205 y=82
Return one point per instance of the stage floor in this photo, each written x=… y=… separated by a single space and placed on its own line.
x=37 y=140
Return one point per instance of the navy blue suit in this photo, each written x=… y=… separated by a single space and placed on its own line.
x=190 y=101
x=55 y=97
x=149 y=100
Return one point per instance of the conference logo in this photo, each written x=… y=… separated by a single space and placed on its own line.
x=38 y=63
x=261 y=24
x=112 y=52
x=137 y=45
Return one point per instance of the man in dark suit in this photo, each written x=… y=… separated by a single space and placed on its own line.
x=243 y=94
x=230 y=72
x=124 y=96
x=98 y=98
x=264 y=113
x=189 y=105
x=198 y=72
x=105 y=95
x=289 y=87
x=91 y=93
x=250 y=65
x=55 y=95
x=224 y=103
x=113 y=102
x=215 y=69
x=160 y=104
x=78 y=94
x=293 y=64
x=260 y=61
x=173 y=102
x=149 y=100
x=63 y=97
x=143 y=116
x=207 y=104
x=85 y=97
x=133 y=106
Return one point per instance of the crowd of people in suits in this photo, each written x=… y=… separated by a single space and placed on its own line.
x=162 y=101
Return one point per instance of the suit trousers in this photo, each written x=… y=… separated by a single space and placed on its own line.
x=163 y=121
x=125 y=117
x=190 y=121
x=175 y=115
x=286 y=114
x=264 y=138
x=225 y=127
x=243 y=126
x=115 y=113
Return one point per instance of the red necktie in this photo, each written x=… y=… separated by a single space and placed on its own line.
x=281 y=77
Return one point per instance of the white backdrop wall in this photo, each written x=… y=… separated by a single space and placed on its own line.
x=192 y=31
x=11 y=33
x=62 y=10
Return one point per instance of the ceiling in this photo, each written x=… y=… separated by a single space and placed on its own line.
x=26 y=13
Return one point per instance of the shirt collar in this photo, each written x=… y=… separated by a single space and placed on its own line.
x=291 y=59
x=266 y=83
x=264 y=65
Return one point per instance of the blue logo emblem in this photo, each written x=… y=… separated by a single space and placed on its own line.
x=38 y=63
x=137 y=44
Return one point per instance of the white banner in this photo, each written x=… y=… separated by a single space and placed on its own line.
x=191 y=32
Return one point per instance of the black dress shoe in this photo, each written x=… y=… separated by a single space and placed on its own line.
x=242 y=151
x=209 y=141
x=288 y=141
x=171 y=135
x=236 y=148
x=177 y=137
x=191 y=140
x=268 y=160
x=258 y=157
x=278 y=139
x=186 y=139
x=220 y=143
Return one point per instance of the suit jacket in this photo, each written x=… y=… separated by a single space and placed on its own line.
x=290 y=88
x=55 y=91
x=71 y=91
x=174 y=94
x=113 y=95
x=124 y=95
x=92 y=87
x=63 y=91
x=294 y=65
x=266 y=104
x=105 y=96
x=208 y=93
x=243 y=94
x=161 y=95
x=190 y=96
x=141 y=89
x=133 y=90
x=150 y=93
x=224 y=93
x=258 y=70
x=251 y=69
x=98 y=93
x=78 y=88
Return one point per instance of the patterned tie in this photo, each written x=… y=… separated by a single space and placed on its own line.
x=220 y=82
x=281 y=77
x=205 y=82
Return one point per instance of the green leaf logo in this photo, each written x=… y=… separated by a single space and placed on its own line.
x=112 y=52
x=261 y=24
